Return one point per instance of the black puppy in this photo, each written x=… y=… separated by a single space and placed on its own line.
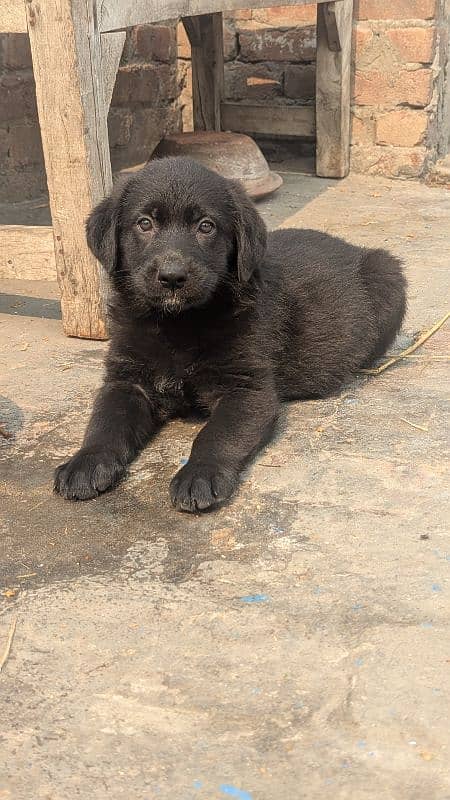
x=212 y=314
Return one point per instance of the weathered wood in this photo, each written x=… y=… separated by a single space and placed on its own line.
x=13 y=18
x=333 y=73
x=112 y=46
x=66 y=54
x=205 y=34
x=118 y=15
x=329 y=15
x=27 y=252
x=276 y=120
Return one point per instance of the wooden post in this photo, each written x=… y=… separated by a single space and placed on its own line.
x=333 y=74
x=205 y=34
x=66 y=53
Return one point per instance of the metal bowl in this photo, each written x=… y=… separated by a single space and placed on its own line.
x=232 y=155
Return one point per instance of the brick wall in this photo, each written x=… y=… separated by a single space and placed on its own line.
x=144 y=105
x=399 y=53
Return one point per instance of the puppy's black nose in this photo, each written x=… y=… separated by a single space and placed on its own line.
x=172 y=276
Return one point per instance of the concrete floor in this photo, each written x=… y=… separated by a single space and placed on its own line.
x=294 y=644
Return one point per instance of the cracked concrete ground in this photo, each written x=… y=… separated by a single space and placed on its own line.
x=295 y=643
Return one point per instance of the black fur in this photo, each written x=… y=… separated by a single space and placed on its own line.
x=225 y=320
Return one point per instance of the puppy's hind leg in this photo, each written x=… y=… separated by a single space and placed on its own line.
x=383 y=278
x=121 y=424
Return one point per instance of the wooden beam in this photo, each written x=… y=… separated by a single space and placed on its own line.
x=13 y=18
x=121 y=14
x=112 y=46
x=333 y=75
x=66 y=55
x=331 y=25
x=275 y=120
x=205 y=34
x=27 y=252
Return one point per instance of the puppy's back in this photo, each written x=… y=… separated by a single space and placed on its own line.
x=346 y=303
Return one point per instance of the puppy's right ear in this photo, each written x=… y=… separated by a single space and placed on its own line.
x=102 y=232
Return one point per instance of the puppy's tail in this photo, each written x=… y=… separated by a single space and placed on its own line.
x=382 y=275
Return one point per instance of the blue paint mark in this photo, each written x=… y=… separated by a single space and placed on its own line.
x=436 y=587
x=276 y=529
x=447 y=557
x=426 y=625
x=298 y=704
x=233 y=791
x=359 y=662
x=317 y=590
x=346 y=765
x=197 y=784
x=255 y=598
x=256 y=690
x=357 y=607
x=183 y=461
x=361 y=744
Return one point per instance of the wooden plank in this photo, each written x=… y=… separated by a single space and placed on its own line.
x=112 y=46
x=27 y=252
x=205 y=34
x=275 y=120
x=122 y=14
x=13 y=18
x=333 y=74
x=66 y=54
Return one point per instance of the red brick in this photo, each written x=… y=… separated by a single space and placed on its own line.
x=149 y=84
x=413 y=44
x=363 y=37
x=119 y=126
x=253 y=81
x=280 y=16
x=294 y=44
x=362 y=130
x=25 y=146
x=388 y=89
x=155 y=43
x=300 y=82
x=18 y=96
x=230 y=42
x=395 y=162
x=15 y=52
x=184 y=47
x=396 y=9
x=185 y=98
x=402 y=128
x=243 y=13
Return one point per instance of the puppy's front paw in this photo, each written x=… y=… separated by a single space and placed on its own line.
x=198 y=486
x=87 y=474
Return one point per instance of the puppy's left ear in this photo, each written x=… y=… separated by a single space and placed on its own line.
x=250 y=233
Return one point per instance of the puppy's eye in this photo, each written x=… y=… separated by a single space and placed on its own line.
x=145 y=224
x=206 y=226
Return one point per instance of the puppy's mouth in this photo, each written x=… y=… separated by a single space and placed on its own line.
x=173 y=300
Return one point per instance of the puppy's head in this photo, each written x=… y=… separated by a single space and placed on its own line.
x=173 y=234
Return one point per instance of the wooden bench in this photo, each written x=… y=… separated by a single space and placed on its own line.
x=76 y=47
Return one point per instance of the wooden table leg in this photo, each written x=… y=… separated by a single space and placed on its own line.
x=66 y=54
x=333 y=75
x=205 y=34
